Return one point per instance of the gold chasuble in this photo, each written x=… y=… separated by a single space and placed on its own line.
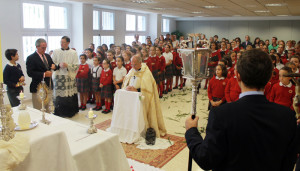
x=144 y=80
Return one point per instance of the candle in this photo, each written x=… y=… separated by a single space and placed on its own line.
x=91 y=114
x=21 y=94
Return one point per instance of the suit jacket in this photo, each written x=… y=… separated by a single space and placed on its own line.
x=244 y=44
x=249 y=134
x=36 y=69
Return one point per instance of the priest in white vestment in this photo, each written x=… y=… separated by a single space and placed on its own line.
x=140 y=79
x=64 y=78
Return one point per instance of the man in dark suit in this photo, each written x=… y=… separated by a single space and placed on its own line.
x=39 y=65
x=246 y=42
x=249 y=134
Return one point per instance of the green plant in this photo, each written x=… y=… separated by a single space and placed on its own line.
x=177 y=33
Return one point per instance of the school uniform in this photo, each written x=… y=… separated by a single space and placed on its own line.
x=119 y=73
x=275 y=76
x=223 y=52
x=232 y=90
x=230 y=72
x=155 y=69
x=82 y=78
x=175 y=56
x=236 y=49
x=113 y=64
x=162 y=66
x=283 y=58
x=267 y=90
x=147 y=61
x=106 y=80
x=11 y=75
x=168 y=69
x=128 y=66
x=96 y=73
x=283 y=94
x=213 y=62
x=216 y=89
x=178 y=63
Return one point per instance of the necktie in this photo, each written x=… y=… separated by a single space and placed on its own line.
x=45 y=62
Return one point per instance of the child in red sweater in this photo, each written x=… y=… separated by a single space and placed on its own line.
x=212 y=62
x=161 y=71
x=112 y=59
x=283 y=92
x=146 y=59
x=216 y=87
x=127 y=55
x=154 y=64
x=82 y=81
x=275 y=74
x=232 y=90
x=106 y=85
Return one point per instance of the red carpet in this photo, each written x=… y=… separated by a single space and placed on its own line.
x=156 y=158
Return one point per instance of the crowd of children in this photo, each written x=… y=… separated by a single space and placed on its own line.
x=102 y=70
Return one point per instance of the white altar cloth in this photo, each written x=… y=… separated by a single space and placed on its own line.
x=127 y=118
x=92 y=152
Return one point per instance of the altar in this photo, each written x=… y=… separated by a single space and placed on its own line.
x=128 y=117
x=66 y=145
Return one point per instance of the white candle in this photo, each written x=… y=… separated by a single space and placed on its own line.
x=21 y=94
x=91 y=113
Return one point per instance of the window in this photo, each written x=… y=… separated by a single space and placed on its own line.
x=142 y=39
x=129 y=40
x=96 y=20
x=54 y=42
x=141 y=23
x=107 y=40
x=33 y=16
x=96 y=41
x=29 y=45
x=166 y=25
x=58 y=17
x=41 y=20
x=130 y=22
x=107 y=20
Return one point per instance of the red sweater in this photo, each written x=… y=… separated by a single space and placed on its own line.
x=232 y=90
x=162 y=63
x=237 y=49
x=83 y=71
x=149 y=63
x=178 y=61
x=226 y=51
x=275 y=76
x=154 y=62
x=283 y=59
x=230 y=73
x=128 y=67
x=214 y=63
x=113 y=65
x=216 y=88
x=268 y=89
x=283 y=95
x=106 y=78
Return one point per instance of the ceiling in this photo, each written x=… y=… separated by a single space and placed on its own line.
x=207 y=8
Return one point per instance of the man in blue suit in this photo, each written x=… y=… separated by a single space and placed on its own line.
x=246 y=42
x=251 y=134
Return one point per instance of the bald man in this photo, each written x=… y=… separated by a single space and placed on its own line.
x=140 y=79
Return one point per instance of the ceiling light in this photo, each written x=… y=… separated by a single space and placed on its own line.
x=274 y=5
x=262 y=11
x=143 y=1
x=282 y=15
x=158 y=8
x=197 y=12
x=211 y=7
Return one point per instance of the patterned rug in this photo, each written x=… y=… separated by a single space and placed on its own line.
x=156 y=158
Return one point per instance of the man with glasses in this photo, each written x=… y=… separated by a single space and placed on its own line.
x=39 y=66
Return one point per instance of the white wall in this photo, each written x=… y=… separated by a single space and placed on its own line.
x=284 y=30
x=10 y=28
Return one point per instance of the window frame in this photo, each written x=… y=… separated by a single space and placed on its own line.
x=114 y=22
x=136 y=23
x=47 y=31
x=162 y=25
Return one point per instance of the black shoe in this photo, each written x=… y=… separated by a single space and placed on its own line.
x=104 y=111
x=180 y=88
x=160 y=97
x=204 y=88
x=95 y=108
x=170 y=90
x=88 y=101
x=176 y=87
x=92 y=101
x=165 y=92
x=80 y=107
x=83 y=108
x=183 y=84
x=108 y=111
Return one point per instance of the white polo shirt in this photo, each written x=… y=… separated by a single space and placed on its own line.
x=119 y=73
x=168 y=57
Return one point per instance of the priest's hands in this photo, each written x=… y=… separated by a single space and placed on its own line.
x=190 y=123
x=53 y=67
x=63 y=65
x=131 y=88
